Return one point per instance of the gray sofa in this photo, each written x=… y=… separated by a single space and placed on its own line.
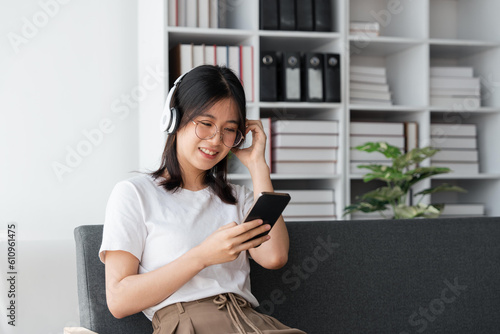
x=383 y=276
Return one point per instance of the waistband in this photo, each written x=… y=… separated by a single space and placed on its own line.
x=233 y=303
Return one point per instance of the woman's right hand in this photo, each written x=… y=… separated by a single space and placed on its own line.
x=227 y=242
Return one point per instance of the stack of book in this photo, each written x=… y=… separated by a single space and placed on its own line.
x=453 y=86
x=360 y=28
x=197 y=13
x=362 y=132
x=304 y=146
x=368 y=85
x=458 y=147
x=318 y=204
x=184 y=57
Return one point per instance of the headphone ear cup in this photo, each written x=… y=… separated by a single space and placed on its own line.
x=174 y=122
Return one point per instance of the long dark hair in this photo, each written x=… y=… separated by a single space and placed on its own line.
x=198 y=91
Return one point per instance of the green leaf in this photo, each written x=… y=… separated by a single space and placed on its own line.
x=384 y=194
x=415 y=156
x=421 y=210
x=441 y=188
x=387 y=150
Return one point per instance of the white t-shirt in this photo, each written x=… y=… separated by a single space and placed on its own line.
x=157 y=227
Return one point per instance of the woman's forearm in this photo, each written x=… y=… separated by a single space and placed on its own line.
x=272 y=254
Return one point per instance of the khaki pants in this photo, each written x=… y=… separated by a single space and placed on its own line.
x=223 y=314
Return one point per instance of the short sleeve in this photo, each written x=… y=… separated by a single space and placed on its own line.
x=124 y=226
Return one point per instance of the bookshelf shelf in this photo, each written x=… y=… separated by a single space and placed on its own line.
x=414 y=36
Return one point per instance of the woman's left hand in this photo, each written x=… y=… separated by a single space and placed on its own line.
x=255 y=154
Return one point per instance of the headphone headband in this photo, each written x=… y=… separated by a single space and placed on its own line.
x=171 y=116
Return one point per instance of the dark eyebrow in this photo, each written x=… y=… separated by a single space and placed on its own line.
x=213 y=117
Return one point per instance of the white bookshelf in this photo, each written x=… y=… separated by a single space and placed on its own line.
x=414 y=36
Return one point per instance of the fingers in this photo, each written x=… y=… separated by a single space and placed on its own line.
x=252 y=125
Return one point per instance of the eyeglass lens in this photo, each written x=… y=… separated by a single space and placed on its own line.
x=207 y=130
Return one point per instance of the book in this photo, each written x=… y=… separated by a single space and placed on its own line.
x=460 y=155
x=322 y=15
x=451 y=71
x=304 y=154
x=366 y=94
x=370 y=102
x=305 y=126
x=365 y=26
x=181 y=60
x=454 y=142
x=286 y=14
x=369 y=70
x=204 y=13
x=453 y=130
x=191 y=13
x=172 y=13
x=210 y=55
x=363 y=33
x=233 y=59
x=310 y=195
x=181 y=13
x=304 y=167
x=332 y=76
x=221 y=55
x=214 y=14
x=269 y=14
x=198 y=55
x=452 y=83
x=312 y=77
x=411 y=136
x=450 y=101
x=369 y=87
x=463 y=209
x=305 y=20
x=377 y=128
x=305 y=140
x=246 y=71
x=357 y=140
x=290 y=77
x=268 y=76
x=368 y=78
x=309 y=209
x=456 y=92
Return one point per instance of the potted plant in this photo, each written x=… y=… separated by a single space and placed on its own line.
x=399 y=178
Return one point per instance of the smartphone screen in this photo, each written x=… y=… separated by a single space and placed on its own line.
x=268 y=207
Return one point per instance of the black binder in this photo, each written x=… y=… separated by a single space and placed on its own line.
x=312 y=77
x=322 y=15
x=287 y=14
x=269 y=14
x=332 y=77
x=304 y=15
x=290 y=76
x=268 y=76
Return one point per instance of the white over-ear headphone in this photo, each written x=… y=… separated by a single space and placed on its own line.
x=171 y=116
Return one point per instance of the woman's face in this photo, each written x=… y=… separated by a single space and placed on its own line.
x=196 y=155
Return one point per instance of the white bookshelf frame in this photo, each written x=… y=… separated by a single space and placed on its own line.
x=420 y=34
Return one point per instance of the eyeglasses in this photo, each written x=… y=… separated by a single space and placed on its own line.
x=207 y=130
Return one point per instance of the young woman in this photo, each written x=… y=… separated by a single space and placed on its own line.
x=173 y=243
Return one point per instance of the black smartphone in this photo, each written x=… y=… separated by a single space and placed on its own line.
x=268 y=207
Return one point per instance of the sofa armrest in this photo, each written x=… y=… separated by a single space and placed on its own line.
x=77 y=330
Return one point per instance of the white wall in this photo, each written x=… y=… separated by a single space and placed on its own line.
x=66 y=67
